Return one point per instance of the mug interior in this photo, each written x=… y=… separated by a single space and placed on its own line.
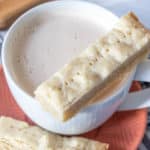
x=20 y=32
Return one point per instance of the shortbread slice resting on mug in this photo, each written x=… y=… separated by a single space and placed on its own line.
x=72 y=87
x=18 y=135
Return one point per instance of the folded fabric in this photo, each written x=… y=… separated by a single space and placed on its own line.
x=117 y=131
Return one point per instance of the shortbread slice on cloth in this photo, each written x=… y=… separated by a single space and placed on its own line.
x=18 y=135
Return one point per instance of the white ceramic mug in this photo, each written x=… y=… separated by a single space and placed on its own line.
x=92 y=116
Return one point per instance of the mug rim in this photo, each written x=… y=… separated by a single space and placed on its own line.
x=26 y=14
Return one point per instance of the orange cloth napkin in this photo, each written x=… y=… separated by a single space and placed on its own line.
x=123 y=131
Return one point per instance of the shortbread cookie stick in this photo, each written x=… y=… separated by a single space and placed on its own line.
x=73 y=87
x=18 y=135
